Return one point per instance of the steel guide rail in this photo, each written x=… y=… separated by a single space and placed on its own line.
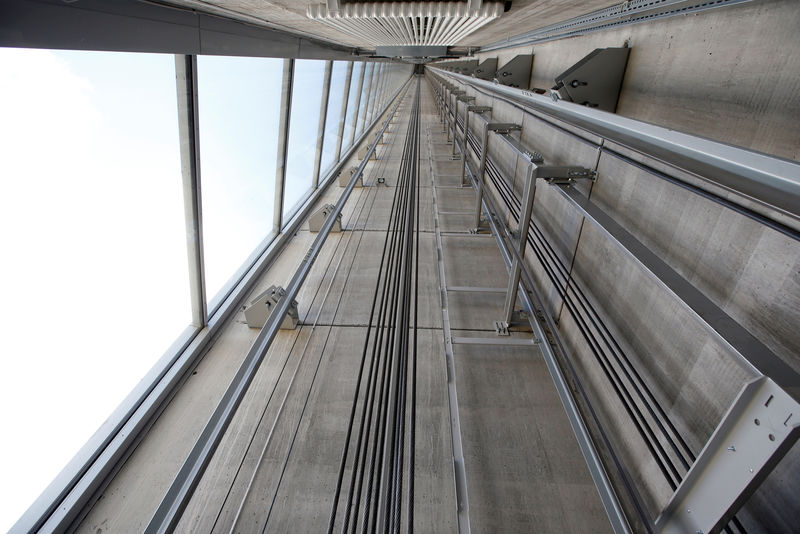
x=634 y=412
x=694 y=485
x=769 y=180
x=608 y=496
x=169 y=511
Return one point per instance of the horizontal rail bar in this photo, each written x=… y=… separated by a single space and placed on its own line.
x=767 y=179
x=756 y=354
x=470 y=289
x=511 y=341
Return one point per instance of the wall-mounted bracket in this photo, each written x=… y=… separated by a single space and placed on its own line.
x=317 y=219
x=564 y=174
x=503 y=127
x=486 y=69
x=464 y=98
x=759 y=428
x=595 y=80
x=517 y=72
x=258 y=311
x=466 y=67
x=479 y=109
x=362 y=153
x=344 y=179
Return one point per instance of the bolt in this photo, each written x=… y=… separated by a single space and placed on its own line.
x=732 y=448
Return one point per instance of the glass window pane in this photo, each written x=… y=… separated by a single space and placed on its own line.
x=365 y=92
x=239 y=108
x=352 y=112
x=307 y=88
x=335 y=100
x=94 y=277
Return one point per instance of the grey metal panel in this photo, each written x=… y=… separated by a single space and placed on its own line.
x=186 y=82
x=133 y=26
x=767 y=179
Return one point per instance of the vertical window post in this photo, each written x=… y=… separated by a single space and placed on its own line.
x=343 y=114
x=323 y=113
x=188 y=131
x=283 y=141
x=358 y=102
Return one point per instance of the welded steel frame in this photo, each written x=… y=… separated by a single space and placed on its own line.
x=68 y=498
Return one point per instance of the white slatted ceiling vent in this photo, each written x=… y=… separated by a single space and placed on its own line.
x=407 y=23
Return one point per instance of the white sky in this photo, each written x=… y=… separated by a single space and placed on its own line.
x=93 y=278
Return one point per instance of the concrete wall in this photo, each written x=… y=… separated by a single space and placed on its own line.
x=730 y=74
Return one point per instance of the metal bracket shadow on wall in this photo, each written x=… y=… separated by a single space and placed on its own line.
x=517 y=72
x=595 y=80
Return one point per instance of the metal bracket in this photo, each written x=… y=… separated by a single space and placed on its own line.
x=317 y=219
x=362 y=153
x=503 y=127
x=759 y=428
x=465 y=98
x=345 y=179
x=486 y=69
x=501 y=328
x=595 y=80
x=516 y=73
x=466 y=67
x=479 y=109
x=258 y=311
x=563 y=174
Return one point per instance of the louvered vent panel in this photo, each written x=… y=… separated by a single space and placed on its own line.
x=407 y=23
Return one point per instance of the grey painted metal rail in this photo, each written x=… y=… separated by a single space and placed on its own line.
x=766 y=179
x=169 y=511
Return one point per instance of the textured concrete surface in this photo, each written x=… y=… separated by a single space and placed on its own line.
x=730 y=74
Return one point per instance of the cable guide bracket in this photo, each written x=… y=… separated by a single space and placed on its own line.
x=503 y=127
x=559 y=175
